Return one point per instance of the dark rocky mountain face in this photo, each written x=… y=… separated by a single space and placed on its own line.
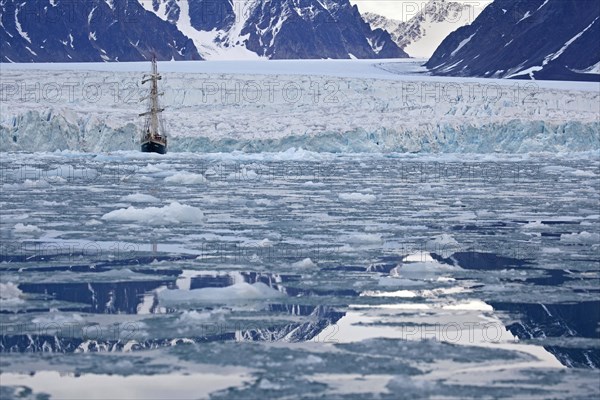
x=206 y=15
x=90 y=30
x=281 y=29
x=129 y=30
x=172 y=9
x=530 y=39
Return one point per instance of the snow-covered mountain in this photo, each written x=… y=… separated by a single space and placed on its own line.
x=422 y=34
x=393 y=26
x=530 y=39
x=126 y=30
x=276 y=29
x=91 y=30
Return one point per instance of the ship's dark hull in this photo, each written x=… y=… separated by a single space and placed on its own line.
x=154 y=147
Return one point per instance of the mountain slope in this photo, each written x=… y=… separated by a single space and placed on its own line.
x=530 y=39
x=129 y=30
x=423 y=33
x=92 y=30
x=276 y=29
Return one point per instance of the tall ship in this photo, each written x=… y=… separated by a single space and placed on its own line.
x=154 y=138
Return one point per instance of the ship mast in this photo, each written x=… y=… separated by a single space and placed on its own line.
x=153 y=78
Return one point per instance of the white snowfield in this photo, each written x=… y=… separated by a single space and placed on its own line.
x=427 y=23
x=320 y=105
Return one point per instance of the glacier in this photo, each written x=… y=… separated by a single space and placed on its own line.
x=322 y=106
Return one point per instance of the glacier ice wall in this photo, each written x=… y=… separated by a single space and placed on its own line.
x=34 y=132
x=85 y=111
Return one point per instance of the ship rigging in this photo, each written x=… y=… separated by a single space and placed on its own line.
x=154 y=138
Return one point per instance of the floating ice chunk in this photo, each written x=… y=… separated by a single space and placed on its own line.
x=443 y=239
x=390 y=281
x=443 y=245
x=405 y=294
x=139 y=198
x=564 y=170
x=265 y=243
x=243 y=175
x=266 y=384
x=534 y=225
x=421 y=266
x=22 y=228
x=311 y=183
x=119 y=273
x=151 y=168
x=310 y=359
x=420 y=256
x=234 y=293
x=174 y=213
x=364 y=238
x=345 y=249
x=357 y=197
x=9 y=291
x=186 y=178
x=255 y=258
x=255 y=244
x=444 y=291
x=394 y=306
x=472 y=305
x=192 y=317
x=306 y=263
x=418 y=267
x=35 y=183
x=293 y=154
x=70 y=172
x=583 y=237
x=556 y=169
x=10 y=294
x=580 y=172
x=126 y=383
x=47 y=203
x=263 y=202
x=56 y=179
x=57 y=318
x=551 y=250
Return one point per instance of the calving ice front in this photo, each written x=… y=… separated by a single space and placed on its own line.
x=329 y=105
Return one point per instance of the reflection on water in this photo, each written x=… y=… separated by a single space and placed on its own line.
x=541 y=321
x=139 y=297
x=465 y=285
x=158 y=386
x=529 y=321
x=100 y=297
